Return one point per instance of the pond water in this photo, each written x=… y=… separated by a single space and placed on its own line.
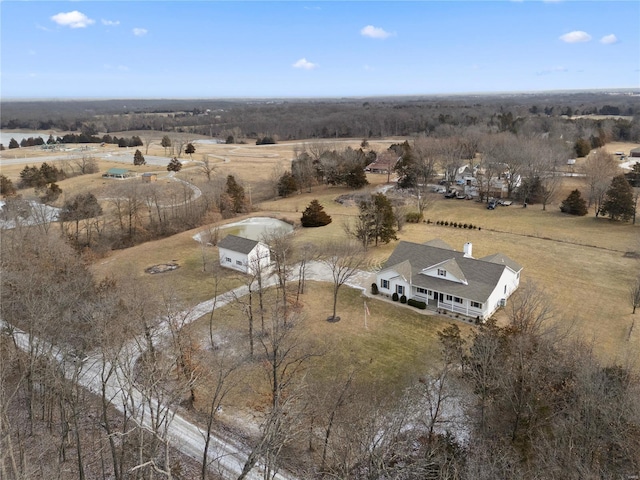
x=253 y=228
x=6 y=136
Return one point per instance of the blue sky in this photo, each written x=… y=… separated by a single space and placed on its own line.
x=151 y=49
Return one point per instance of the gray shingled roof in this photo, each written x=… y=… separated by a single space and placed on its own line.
x=237 y=244
x=436 y=242
x=502 y=259
x=482 y=276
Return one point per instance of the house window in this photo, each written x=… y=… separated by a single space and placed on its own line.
x=476 y=305
x=449 y=298
x=238 y=262
x=442 y=272
x=424 y=291
x=227 y=259
x=457 y=300
x=400 y=289
x=384 y=283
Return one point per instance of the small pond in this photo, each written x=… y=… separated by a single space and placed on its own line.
x=253 y=228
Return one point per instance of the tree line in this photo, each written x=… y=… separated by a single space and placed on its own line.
x=342 y=118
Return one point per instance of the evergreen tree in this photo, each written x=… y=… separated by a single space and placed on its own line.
x=315 y=216
x=619 y=204
x=49 y=193
x=13 y=143
x=50 y=173
x=165 y=143
x=633 y=177
x=287 y=185
x=236 y=193
x=6 y=186
x=531 y=190
x=138 y=158
x=175 y=165
x=376 y=221
x=31 y=177
x=190 y=150
x=574 y=204
x=582 y=147
x=356 y=177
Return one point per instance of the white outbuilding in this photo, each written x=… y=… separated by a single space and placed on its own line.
x=243 y=254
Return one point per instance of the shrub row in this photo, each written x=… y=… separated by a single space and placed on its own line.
x=413 y=217
x=446 y=223
x=417 y=303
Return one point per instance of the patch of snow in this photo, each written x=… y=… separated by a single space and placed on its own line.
x=40 y=213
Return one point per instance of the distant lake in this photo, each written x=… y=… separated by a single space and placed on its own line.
x=6 y=136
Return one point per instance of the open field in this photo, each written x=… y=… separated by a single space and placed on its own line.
x=385 y=354
x=580 y=261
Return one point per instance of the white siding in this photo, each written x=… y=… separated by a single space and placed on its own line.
x=230 y=259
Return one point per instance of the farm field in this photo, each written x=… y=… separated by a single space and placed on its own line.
x=582 y=262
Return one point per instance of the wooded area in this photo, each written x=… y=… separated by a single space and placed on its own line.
x=528 y=398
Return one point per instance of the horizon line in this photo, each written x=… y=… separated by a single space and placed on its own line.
x=635 y=89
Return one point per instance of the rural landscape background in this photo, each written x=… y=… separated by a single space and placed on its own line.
x=127 y=350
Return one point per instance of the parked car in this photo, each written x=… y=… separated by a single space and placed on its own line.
x=493 y=203
x=451 y=194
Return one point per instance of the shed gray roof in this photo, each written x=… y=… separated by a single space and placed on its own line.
x=482 y=275
x=237 y=244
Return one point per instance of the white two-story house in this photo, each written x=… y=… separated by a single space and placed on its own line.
x=243 y=254
x=444 y=278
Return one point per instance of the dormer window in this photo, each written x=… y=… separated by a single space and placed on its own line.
x=442 y=272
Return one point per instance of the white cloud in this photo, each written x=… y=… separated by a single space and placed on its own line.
x=609 y=39
x=374 y=32
x=140 y=32
x=576 y=36
x=305 y=64
x=111 y=23
x=73 y=19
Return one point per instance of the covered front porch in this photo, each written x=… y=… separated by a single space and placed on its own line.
x=437 y=301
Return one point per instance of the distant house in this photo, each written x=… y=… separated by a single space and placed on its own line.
x=243 y=254
x=149 y=177
x=384 y=164
x=444 y=278
x=118 y=173
x=635 y=152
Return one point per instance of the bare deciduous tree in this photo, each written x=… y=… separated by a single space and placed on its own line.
x=599 y=169
x=344 y=260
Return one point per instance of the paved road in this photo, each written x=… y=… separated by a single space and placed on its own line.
x=227 y=456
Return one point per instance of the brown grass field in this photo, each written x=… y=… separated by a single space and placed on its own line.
x=579 y=261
